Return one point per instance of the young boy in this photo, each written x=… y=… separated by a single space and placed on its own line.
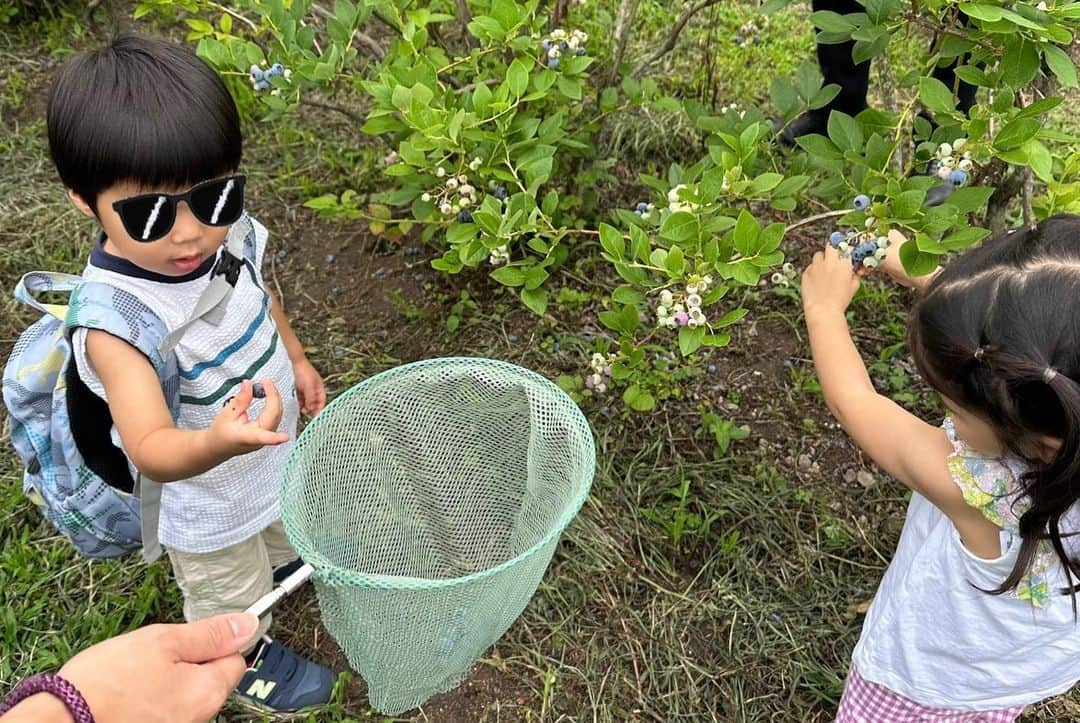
x=147 y=140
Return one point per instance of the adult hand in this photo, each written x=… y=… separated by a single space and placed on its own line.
x=163 y=673
x=828 y=282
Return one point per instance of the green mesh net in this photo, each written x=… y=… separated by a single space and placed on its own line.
x=429 y=500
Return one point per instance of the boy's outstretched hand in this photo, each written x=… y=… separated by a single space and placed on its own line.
x=829 y=282
x=233 y=433
x=310 y=390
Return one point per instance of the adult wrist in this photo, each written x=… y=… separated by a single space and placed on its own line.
x=46 y=698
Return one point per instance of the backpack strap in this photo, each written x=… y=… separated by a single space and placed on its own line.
x=42 y=282
x=95 y=305
x=211 y=305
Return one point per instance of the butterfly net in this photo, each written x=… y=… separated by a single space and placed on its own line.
x=429 y=499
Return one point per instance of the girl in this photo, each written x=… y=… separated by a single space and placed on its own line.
x=976 y=616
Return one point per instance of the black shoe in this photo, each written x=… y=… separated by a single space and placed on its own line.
x=804 y=125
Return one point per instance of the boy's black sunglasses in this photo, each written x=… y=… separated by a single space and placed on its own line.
x=217 y=202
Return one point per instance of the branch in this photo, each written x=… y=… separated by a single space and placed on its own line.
x=814 y=219
x=673 y=37
x=337 y=108
x=1025 y=198
x=998 y=205
x=627 y=12
x=364 y=38
x=466 y=18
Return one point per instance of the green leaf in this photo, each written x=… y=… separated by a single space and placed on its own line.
x=917 y=263
x=831 y=22
x=679 y=227
x=517 y=76
x=675 y=261
x=818 y=145
x=1061 y=64
x=783 y=95
x=908 y=204
x=570 y=87
x=535 y=299
x=1040 y=160
x=509 y=276
x=612 y=241
x=970 y=198
x=730 y=318
x=690 y=339
x=627 y=295
x=964 y=238
x=989 y=13
x=766 y=182
x=638 y=399
x=747 y=233
x=640 y=243
x=845 y=132
x=936 y=96
x=1020 y=63
x=1015 y=132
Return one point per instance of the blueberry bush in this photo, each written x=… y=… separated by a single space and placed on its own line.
x=492 y=114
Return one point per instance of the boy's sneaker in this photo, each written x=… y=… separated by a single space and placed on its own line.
x=287 y=569
x=279 y=679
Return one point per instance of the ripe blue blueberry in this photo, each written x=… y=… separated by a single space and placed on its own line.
x=605 y=410
x=711 y=369
x=329 y=258
x=465 y=217
x=553 y=63
x=580 y=51
x=641 y=208
x=257 y=390
x=545 y=44
x=512 y=338
x=500 y=193
x=958 y=177
x=836 y=238
x=738 y=40
x=862 y=202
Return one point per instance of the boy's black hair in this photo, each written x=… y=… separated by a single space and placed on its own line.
x=140 y=110
x=998 y=332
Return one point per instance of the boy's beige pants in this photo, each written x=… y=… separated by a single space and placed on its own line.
x=229 y=580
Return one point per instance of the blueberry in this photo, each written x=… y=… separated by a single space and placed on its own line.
x=605 y=410
x=642 y=207
x=465 y=217
x=580 y=51
x=501 y=194
x=554 y=346
x=545 y=44
x=958 y=177
x=862 y=202
x=553 y=63
x=836 y=238
x=329 y=258
x=738 y=40
x=512 y=338
x=711 y=369
x=280 y=255
x=757 y=40
x=257 y=390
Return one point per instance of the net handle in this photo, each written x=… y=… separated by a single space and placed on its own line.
x=267 y=602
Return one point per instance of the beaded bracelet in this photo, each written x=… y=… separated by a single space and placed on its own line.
x=68 y=694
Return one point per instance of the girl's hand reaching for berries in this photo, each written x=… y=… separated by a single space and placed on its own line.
x=233 y=433
x=895 y=269
x=829 y=282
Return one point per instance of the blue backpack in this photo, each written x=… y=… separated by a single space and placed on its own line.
x=62 y=431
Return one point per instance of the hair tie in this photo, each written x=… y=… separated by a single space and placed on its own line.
x=1048 y=374
x=979 y=351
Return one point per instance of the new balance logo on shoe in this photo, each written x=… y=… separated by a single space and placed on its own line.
x=260 y=689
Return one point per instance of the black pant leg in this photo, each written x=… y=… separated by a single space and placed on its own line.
x=838 y=67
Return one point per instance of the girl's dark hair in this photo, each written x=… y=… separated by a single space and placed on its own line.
x=998 y=333
x=140 y=110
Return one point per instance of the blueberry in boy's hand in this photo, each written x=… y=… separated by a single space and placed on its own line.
x=257 y=390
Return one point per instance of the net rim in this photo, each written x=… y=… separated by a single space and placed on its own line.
x=330 y=573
